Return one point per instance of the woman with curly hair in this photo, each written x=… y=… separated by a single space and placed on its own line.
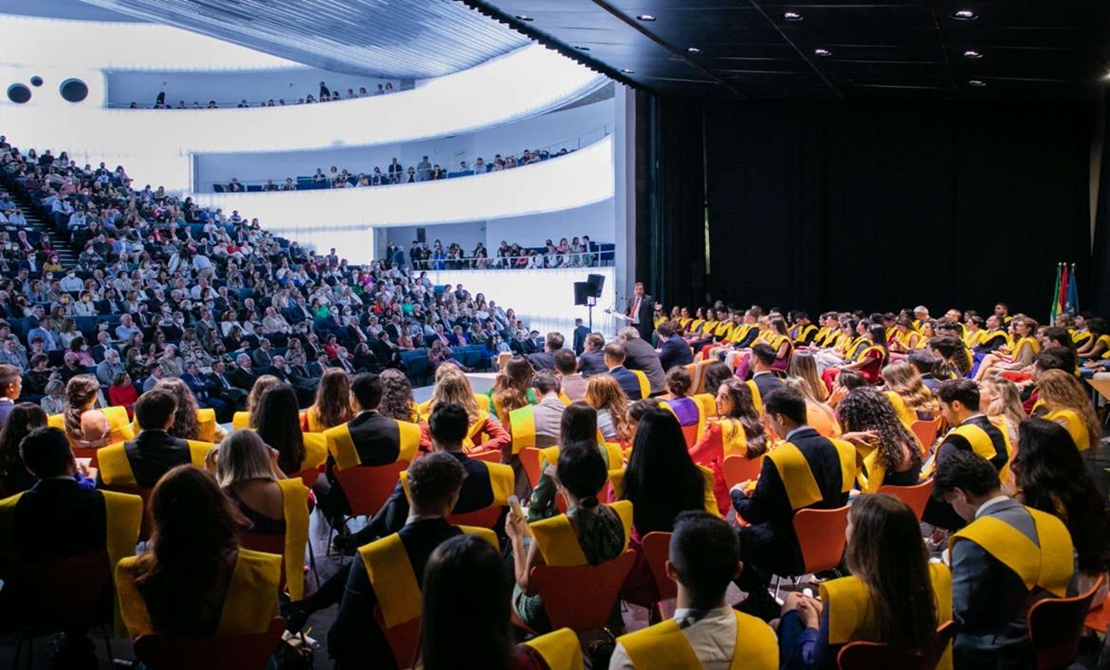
x=333 y=403
x=190 y=422
x=891 y=453
x=512 y=389
x=1065 y=402
x=604 y=394
x=397 y=402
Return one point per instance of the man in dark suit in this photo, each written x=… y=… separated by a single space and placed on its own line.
x=58 y=518
x=642 y=311
x=592 y=360
x=220 y=387
x=202 y=389
x=639 y=355
x=154 y=452
x=545 y=360
x=614 y=365
x=1005 y=548
x=785 y=486
x=104 y=343
x=580 y=333
x=11 y=386
x=673 y=350
x=243 y=376
x=763 y=376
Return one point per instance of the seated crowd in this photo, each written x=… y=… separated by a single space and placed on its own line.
x=326 y=95
x=676 y=476
x=396 y=173
x=578 y=253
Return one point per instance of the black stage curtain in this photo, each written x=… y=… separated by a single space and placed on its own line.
x=1097 y=299
x=884 y=205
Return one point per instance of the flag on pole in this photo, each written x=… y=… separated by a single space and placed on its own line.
x=1056 y=294
x=1071 y=305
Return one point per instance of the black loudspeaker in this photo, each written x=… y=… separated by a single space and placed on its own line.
x=421 y=235
x=581 y=292
x=595 y=283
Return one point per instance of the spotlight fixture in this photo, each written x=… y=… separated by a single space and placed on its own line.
x=645 y=17
x=522 y=17
x=972 y=54
x=792 y=16
x=628 y=71
x=822 y=52
x=693 y=50
x=977 y=83
x=965 y=15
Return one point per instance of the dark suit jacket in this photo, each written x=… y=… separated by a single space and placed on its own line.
x=954 y=442
x=591 y=363
x=580 y=334
x=675 y=352
x=198 y=385
x=58 y=518
x=377 y=438
x=646 y=316
x=771 y=538
x=629 y=383
x=242 y=379
x=152 y=454
x=545 y=360
x=639 y=355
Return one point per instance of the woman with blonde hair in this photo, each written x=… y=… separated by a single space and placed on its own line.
x=333 y=403
x=1062 y=395
x=804 y=367
x=479 y=402
x=483 y=433
x=1000 y=400
x=190 y=422
x=245 y=419
x=604 y=394
x=818 y=413
x=915 y=402
x=512 y=388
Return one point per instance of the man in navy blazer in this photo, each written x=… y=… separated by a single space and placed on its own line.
x=614 y=363
x=580 y=334
x=592 y=360
x=674 y=350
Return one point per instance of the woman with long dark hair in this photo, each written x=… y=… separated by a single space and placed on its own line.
x=333 y=403
x=512 y=389
x=867 y=359
x=661 y=479
x=1052 y=477
x=14 y=478
x=279 y=426
x=181 y=588
x=891 y=454
x=894 y=596
x=737 y=432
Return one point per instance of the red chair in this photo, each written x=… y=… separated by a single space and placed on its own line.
x=914 y=496
x=482 y=518
x=582 y=597
x=1098 y=619
x=741 y=469
x=50 y=596
x=872 y=655
x=1055 y=626
x=926 y=432
x=530 y=461
x=240 y=652
x=690 y=434
x=820 y=534
x=309 y=476
x=403 y=639
x=654 y=550
x=368 y=487
x=489 y=455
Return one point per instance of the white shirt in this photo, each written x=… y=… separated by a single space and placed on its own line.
x=713 y=639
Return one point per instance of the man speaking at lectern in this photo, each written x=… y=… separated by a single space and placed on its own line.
x=641 y=311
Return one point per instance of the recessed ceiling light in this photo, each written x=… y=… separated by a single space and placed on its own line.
x=973 y=54
x=977 y=83
x=965 y=15
x=792 y=16
x=628 y=71
x=693 y=50
x=646 y=17
x=522 y=17
x=822 y=52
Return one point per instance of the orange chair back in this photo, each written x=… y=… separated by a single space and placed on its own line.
x=741 y=469
x=403 y=639
x=238 y=652
x=368 y=487
x=270 y=544
x=692 y=370
x=690 y=434
x=1098 y=619
x=582 y=597
x=530 y=461
x=1055 y=626
x=871 y=655
x=308 y=476
x=821 y=536
x=482 y=518
x=655 y=549
x=698 y=385
x=926 y=432
x=61 y=594
x=489 y=455
x=914 y=496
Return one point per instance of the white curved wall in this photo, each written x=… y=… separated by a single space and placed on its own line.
x=155 y=145
x=581 y=178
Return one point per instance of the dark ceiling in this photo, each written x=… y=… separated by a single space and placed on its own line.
x=827 y=49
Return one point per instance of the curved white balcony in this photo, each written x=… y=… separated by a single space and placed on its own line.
x=574 y=180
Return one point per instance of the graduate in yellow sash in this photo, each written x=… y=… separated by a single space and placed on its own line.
x=196 y=581
x=1008 y=557
x=85 y=425
x=59 y=518
x=588 y=533
x=705 y=632
x=1064 y=401
x=279 y=426
x=738 y=432
x=884 y=549
x=889 y=452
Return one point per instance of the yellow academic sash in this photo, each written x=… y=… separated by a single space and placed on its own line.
x=757 y=397
x=734 y=441
x=119 y=426
x=803 y=333
x=852 y=353
x=474 y=431
x=1073 y=422
x=645 y=385
x=294 y=505
x=611 y=452
x=710 y=496
x=315 y=451
x=249 y=606
x=797 y=478
x=851 y=618
x=206 y=424
x=906 y=415
x=1026 y=342
x=522 y=426
x=872 y=474
x=502 y=482
x=241 y=420
x=560 y=650
x=424 y=409
x=559 y=544
x=342 y=448
x=115 y=468
x=1049 y=566
x=982 y=445
x=664 y=646
x=1105 y=341
x=1079 y=337
x=740 y=333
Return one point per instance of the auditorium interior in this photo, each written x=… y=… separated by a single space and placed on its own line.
x=554 y=334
